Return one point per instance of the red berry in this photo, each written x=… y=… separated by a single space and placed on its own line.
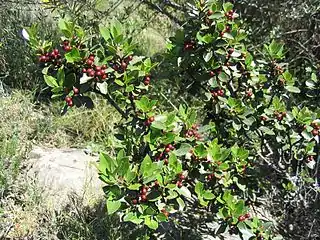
x=123 y=65
x=144 y=191
x=280 y=117
x=91 y=57
x=146 y=83
x=231 y=50
x=56 y=51
x=144 y=198
x=241 y=218
x=67 y=48
x=98 y=68
x=315 y=132
x=84 y=70
x=130 y=58
x=151 y=119
x=181 y=176
x=179 y=184
x=209 y=177
x=263 y=118
x=70 y=103
x=166 y=161
x=98 y=73
x=167 y=150
x=156 y=183
x=104 y=76
x=249 y=94
x=68 y=99
x=104 y=66
x=134 y=201
x=247 y=215
x=89 y=62
x=65 y=42
x=147 y=78
x=210 y=12
x=92 y=73
x=211 y=73
x=76 y=90
x=42 y=58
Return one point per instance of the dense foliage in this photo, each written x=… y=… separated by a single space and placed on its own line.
x=253 y=110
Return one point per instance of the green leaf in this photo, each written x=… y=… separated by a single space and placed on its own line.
x=183 y=149
x=184 y=191
x=151 y=223
x=107 y=164
x=66 y=27
x=228 y=6
x=174 y=163
x=223 y=77
x=199 y=188
x=105 y=33
x=73 y=56
x=181 y=204
x=132 y=217
x=61 y=76
x=50 y=81
x=208 y=195
x=293 y=89
x=135 y=186
x=113 y=206
x=207 y=56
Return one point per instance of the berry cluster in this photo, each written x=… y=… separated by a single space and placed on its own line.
x=217 y=92
x=53 y=57
x=149 y=121
x=193 y=132
x=95 y=71
x=181 y=177
x=244 y=217
x=309 y=159
x=121 y=66
x=164 y=155
x=230 y=15
x=280 y=115
x=69 y=100
x=66 y=46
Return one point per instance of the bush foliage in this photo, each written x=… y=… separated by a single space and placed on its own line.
x=251 y=109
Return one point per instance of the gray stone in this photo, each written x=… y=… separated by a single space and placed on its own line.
x=62 y=172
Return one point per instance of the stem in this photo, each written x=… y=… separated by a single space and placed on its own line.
x=112 y=102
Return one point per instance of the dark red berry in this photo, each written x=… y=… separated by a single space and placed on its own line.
x=210 y=12
x=315 y=132
x=241 y=218
x=91 y=57
x=166 y=161
x=76 y=90
x=134 y=201
x=181 y=176
x=144 y=198
x=89 y=62
x=104 y=76
x=84 y=70
x=167 y=150
x=124 y=65
x=247 y=215
x=42 y=58
x=130 y=58
x=179 y=184
x=104 y=66
x=98 y=68
x=70 y=103
x=211 y=73
x=68 y=99
x=151 y=119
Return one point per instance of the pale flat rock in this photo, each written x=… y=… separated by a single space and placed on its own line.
x=64 y=172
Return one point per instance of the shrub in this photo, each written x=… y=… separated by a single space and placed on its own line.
x=165 y=160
